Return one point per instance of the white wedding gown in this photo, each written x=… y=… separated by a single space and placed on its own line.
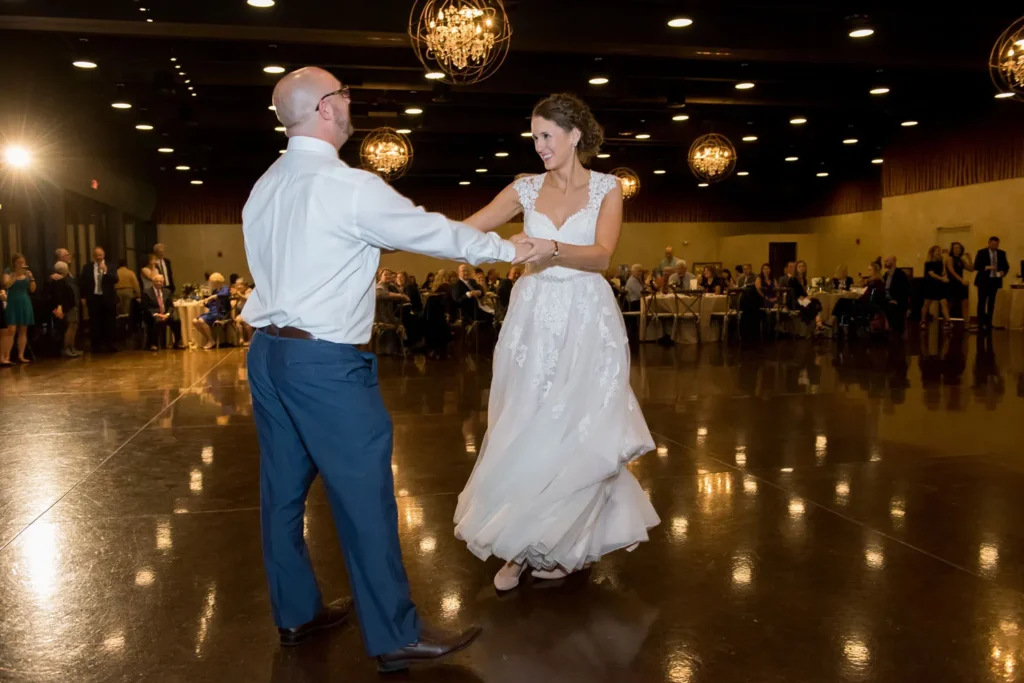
x=550 y=486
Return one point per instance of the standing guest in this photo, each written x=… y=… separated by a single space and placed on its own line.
x=97 y=283
x=163 y=266
x=504 y=291
x=158 y=313
x=897 y=294
x=709 y=283
x=19 y=283
x=991 y=266
x=842 y=280
x=935 y=281
x=316 y=398
x=147 y=272
x=218 y=306
x=67 y=309
x=670 y=262
x=62 y=293
x=958 y=291
x=127 y=287
x=766 y=284
x=728 y=281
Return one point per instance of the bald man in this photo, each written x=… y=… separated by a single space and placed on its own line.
x=314 y=229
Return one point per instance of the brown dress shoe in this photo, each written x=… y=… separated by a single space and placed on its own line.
x=432 y=645
x=329 y=616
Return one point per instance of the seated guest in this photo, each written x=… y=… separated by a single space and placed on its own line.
x=728 y=281
x=481 y=280
x=428 y=282
x=682 y=278
x=493 y=279
x=810 y=309
x=897 y=290
x=787 y=274
x=467 y=295
x=842 y=279
x=127 y=287
x=746 y=275
x=388 y=298
x=239 y=296
x=505 y=292
x=634 y=287
x=766 y=285
x=62 y=292
x=407 y=285
x=158 y=313
x=219 y=308
x=708 y=282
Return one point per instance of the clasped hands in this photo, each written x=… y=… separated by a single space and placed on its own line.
x=532 y=249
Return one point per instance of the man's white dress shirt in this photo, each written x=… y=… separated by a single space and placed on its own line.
x=314 y=228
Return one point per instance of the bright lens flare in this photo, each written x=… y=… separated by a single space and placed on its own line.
x=17 y=156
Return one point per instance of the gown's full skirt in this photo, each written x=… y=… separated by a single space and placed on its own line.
x=550 y=485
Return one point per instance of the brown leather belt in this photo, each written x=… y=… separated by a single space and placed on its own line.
x=287 y=332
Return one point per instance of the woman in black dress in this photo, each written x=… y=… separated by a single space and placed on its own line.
x=958 y=291
x=935 y=283
x=765 y=284
x=709 y=282
x=811 y=311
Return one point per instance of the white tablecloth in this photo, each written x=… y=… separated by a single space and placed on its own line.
x=1015 y=310
x=685 y=329
x=187 y=312
x=829 y=299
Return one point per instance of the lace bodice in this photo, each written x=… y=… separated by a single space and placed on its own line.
x=579 y=228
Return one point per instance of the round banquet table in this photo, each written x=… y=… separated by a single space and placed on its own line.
x=685 y=330
x=829 y=299
x=188 y=311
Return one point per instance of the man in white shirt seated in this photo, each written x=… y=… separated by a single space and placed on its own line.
x=314 y=229
x=682 y=279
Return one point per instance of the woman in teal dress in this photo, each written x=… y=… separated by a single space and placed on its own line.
x=19 y=283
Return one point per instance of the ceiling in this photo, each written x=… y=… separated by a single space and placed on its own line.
x=797 y=52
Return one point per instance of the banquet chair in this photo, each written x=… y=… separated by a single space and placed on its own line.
x=219 y=330
x=652 y=314
x=688 y=302
x=387 y=321
x=731 y=313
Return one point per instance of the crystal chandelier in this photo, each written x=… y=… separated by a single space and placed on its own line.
x=466 y=40
x=629 y=180
x=387 y=153
x=1006 y=62
x=712 y=157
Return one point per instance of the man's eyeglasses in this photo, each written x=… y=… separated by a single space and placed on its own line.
x=343 y=91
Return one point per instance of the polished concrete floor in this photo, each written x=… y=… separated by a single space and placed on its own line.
x=829 y=513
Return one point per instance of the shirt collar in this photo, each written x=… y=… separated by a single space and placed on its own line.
x=307 y=144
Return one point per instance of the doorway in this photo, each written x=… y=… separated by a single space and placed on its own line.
x=779 y=254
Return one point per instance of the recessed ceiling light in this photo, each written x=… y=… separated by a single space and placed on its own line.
x=195 y=94
x=680 y=117
x=273 y=69
x=878 y=91
x=850 y=141
x=404 y=131
x=143 y=126
x=197 y=182
x=527 y=134
x=166 y=150
x=603 y=155
x=702 y=184
x=744 y=86
x=280 y=129
x=908 y=124
x=150 y=21
x=798 y=121
x=174 y=59
x=121 y=105
x=598 y=80
x=481 y=170
x=792 y=158
x=463 y=182
x=182 y=168
x=433 y=75
x=823 y=174
x=272 y=108
x=878 y=161
x=261 y=3
x=1004 y=95
x=862 y=33
x=659 y=172
x=501 y=155
x=183 y=74
x=83 y=64
x=143 y=9
x=749 y=138
x=191 y=88
x=642 y=136
x=413 y=111
x=743 y=173
x=187 y=82
x=680 y=22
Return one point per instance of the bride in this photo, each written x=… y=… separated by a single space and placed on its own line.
x=550 y=489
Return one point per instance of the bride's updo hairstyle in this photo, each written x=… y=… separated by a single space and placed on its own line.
x=568 y=111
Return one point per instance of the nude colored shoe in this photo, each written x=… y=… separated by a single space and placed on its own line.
x=550 y=575
x=507 y=577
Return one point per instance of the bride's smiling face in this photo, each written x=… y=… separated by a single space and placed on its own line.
x=554 y=145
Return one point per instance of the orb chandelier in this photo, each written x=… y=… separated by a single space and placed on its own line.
x=712 y=157
x=466 y=40
x=1006 y=62
x=387 y=153
x=629 y=180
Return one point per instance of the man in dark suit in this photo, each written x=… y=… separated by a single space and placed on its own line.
x=897 y=294
x=991 y=265
x=505 y=290
x=163 y=266
x=467 y=294
x=96 y=285
x=158 y=312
